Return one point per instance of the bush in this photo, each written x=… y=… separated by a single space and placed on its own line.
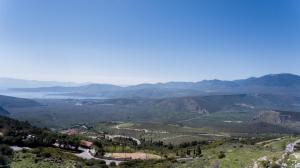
x=5 y=154
x=4 y=161
x=6 y=150
x=274 y=165
x=113 y=164
x=46 y=154
x=96 y=163
x=221 y=155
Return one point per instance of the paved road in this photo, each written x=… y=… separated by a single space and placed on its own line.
x=85 y=154
x=290 y=147
x=17 y=148
x=123 y=136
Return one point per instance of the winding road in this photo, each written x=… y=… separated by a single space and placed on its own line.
x=85 y=154
x=138 y=142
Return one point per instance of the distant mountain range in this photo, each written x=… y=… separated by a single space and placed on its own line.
x=21 y=83
x=282 y=84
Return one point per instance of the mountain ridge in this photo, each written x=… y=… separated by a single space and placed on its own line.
x=284 y=83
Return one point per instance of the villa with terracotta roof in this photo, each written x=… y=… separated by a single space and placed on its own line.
x=86 y=144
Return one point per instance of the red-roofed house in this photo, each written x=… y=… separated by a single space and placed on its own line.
x=86 y=144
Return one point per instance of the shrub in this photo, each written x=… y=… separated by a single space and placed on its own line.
x=4 y=160
x=221 y=155
x=5 y=150
x=96 y=163
x=274 y=165
x=113 y=164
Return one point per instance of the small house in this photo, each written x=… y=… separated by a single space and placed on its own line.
x=86 y=144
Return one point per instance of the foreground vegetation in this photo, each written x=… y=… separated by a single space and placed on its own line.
x=225 y=151
x=51 y=157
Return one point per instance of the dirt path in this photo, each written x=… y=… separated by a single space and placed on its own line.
x=270 y=141
x=135 y=155
x=190 y=119
x=173 y=137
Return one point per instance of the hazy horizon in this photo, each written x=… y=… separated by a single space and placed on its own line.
x=118 y=84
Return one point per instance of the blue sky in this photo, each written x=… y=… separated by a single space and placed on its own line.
x=135 y=41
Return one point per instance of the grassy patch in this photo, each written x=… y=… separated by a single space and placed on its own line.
x=30 y=160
